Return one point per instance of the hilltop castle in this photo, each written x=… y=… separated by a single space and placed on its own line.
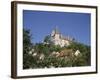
x=58 y=39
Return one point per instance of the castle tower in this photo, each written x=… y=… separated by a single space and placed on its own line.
x=55 y=31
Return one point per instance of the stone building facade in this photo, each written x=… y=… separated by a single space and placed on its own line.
x=58 y=39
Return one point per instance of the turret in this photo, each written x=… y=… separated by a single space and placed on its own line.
x=55 y=31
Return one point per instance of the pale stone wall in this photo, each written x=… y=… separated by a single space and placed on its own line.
x=58 y=39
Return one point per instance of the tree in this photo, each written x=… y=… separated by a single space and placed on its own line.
x=47 y=39
x=26 y=48
x=85 y=57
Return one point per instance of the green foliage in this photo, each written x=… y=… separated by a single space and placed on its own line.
x=83 y=59
x=47 y=39
x=55 y=48
x=26 y=48
x=41 y=48
x=49 y=60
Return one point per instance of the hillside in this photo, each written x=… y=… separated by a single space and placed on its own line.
x=42 y=55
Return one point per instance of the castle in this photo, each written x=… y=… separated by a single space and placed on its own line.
x=58 y=39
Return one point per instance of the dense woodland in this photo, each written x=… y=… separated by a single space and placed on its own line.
x=43 y=57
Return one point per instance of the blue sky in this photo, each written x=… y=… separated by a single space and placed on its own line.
x=41 y=23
